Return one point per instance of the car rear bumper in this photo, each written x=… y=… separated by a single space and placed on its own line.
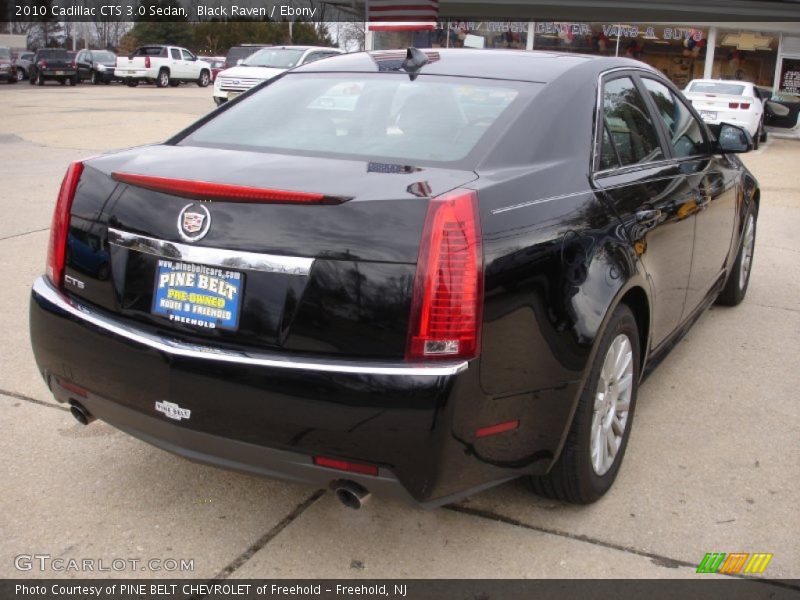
x=270 y=415
x=740 y=118
x=57 y=72
x=131 y=73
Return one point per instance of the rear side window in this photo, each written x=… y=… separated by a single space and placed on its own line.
x=176 y=55
x=365 y=116
x=632 y=132
x=686 y=133
x=151 y=51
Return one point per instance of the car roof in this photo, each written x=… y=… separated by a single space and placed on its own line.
x=533 y=66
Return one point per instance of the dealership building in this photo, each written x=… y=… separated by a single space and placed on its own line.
x=751 y=40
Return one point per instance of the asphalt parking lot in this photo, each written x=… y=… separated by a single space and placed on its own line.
x=713 y=463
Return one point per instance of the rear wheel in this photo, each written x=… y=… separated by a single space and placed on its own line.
x=204 y=79
x=163 y=78
x=132 y=83
x=599 y=434
x=39 y=79
x=20 y=74
x=95 y=79
x=174 y=83
x=62 y=81
x=739 y=278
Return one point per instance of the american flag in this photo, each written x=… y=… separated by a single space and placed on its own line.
x=402 y=15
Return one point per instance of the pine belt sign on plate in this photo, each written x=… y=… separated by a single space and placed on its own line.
x=196 y=295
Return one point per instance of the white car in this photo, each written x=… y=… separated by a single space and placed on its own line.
x=164 y=65
x=264 y=65
x=723 y=101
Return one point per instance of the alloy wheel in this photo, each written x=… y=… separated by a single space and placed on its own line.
x=612 y=404
x=748 y=245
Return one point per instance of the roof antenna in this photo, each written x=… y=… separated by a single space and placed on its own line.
x=415 y=60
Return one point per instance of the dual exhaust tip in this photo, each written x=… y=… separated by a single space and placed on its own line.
x=349 y=493
x=78 y=410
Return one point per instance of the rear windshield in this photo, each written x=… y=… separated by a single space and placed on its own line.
x=730 y=89
x=431 y=119
x=53 y=53
x=276 y=58
x=240 y=52
x=103 y=56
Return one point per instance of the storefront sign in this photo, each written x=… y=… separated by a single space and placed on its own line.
x=790 y=77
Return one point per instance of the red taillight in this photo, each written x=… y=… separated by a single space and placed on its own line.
x=745 y=105
x=447 y=306
x=59 y=228
x=146 y=62
x=343 y=465
x=74 y=63
x=206 y=190
x=733 y=105
x=42 y=64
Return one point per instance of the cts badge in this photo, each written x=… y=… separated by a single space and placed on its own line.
x=173 y=411
x=193 y=222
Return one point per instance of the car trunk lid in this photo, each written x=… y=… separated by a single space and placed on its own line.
x=328 y=278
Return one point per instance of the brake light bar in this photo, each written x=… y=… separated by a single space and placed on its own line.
x=146 y=62
x=207 y=190
x=344 y=465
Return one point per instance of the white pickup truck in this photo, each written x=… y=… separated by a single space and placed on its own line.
x=164 y=65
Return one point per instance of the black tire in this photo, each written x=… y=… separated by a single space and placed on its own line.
x=736 y=287
x=573 y=477
x=94 y=78
x=763 y=134
x=163 y=78
x=39 y=79
x=12 y=79
x=132 y=83
x=204 y=79
x=73 y=81
x=62 y=81
x=20 y=74
x=174 y=83
x=756 y=138
x=32 y=80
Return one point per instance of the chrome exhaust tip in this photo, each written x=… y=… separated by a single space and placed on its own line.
x=82 y=416
x=351 y=494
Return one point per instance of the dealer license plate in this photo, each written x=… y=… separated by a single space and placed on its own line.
x=198 y=296
x=59 y=72
x=708 y=114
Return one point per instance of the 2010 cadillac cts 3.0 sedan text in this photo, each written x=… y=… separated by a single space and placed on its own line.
x=416 y=274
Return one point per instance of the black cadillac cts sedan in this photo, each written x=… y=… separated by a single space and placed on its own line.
x=417 y=273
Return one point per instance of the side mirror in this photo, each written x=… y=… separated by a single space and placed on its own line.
x=733 y=139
